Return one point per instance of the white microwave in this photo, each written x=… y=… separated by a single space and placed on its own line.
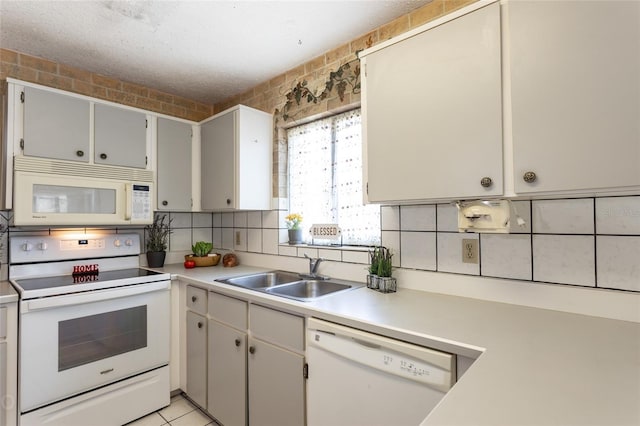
x=50 y=192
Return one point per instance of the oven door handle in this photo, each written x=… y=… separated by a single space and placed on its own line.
x=93 y=296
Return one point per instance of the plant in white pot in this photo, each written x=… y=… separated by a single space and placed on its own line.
x=380 y=270
x=157 y=235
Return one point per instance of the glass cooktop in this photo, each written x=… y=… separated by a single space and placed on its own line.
x=34 y=284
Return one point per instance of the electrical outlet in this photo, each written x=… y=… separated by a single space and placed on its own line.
x=469 y=250
x=238 y=238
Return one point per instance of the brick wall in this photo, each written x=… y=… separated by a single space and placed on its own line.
x=52 y=74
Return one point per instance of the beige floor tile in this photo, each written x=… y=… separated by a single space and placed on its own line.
x=153 y=419
x=178 y=408
x=194 y=418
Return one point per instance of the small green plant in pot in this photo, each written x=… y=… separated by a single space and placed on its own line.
x=201 y=254
x=380 y=269
x=157 y=239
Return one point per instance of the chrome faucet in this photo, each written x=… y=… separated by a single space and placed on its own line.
x=313 y=269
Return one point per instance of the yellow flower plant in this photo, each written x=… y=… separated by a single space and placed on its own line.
x=293 y=220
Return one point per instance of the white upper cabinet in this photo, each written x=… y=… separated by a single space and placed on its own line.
x=575 y=95
x=236 y=160
x=120 y=137
x=174 y=164
x=432 y=104
x=55 y=125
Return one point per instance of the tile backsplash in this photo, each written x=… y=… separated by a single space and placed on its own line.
x=589 y=242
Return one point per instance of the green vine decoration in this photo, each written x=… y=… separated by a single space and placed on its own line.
x=344 y=78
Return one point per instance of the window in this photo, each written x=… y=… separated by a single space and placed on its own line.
x=325 y=178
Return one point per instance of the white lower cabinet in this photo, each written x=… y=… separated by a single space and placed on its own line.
x=8 y=364
x=196 y=342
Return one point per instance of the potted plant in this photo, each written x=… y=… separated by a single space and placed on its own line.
x=157 y=235
x=202 y=255
x=293 y=222
x=379 y=277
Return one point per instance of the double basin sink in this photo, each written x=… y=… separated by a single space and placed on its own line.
x=291 y=285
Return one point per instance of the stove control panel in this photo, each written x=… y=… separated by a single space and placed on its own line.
x=72 y=246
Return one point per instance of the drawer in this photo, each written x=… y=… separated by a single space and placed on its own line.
x=197 y=299
x=3 y=323
x=228 y=310
x=277 y=327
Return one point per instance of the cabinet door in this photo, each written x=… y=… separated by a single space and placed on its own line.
x=120 y=137
x=575 y=94
x=227 y=374
x=255 y=159
x=56 y=126
x=433 y=112
x=276 y=386
x=174 y=165
x=197 y=358
x=218 y=162
x=3 y=383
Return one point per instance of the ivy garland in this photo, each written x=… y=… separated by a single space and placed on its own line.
x=341 y=80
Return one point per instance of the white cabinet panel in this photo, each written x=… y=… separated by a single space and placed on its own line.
x=197 y=358
x=120 y=137
x=575 y=94
x=433 y=112
x=174 y=165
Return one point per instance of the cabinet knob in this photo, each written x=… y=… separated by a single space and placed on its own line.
x=252 y=349
x=486 y=182
x=238 y=342
x=228 y=201
x=199 y=324
x=194 y=298
x=529 y=177
x=103 y=156
x=80 y=153
x=165 y=203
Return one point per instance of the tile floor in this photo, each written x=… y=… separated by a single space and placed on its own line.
x=181 y=412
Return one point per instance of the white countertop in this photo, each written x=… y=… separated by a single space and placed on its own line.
x=534 y=366
x=7 y=293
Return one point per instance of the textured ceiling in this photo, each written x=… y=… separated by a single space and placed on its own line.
x=203 y=50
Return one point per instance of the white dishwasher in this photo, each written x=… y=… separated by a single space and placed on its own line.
x=357 y=378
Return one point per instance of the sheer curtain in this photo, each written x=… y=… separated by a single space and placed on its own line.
x=325 y=178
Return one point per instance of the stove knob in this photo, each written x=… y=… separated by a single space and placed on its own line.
x=128 y=242
x=27 y=247
x=42 y=246
x=117 y=243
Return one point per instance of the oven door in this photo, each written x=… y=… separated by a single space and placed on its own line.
x=73 y=343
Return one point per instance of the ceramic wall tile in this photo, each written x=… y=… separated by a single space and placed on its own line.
x=287 y=250
x=202 y=220
x=619 y=262
x=522 y=209
x=309 y=251
x=227 y=220
x=270 y=219
x=180 y=240
x=447 y=217
x=270 y=241
x=418 y=218
x=563 y=216
x=564 y=259
x=418 y=250
x=216 y=220
x=227 y=238
x=254 y=219
x=391 y=240
x=506 y=256
x=618 y=215
x=390 y=218
x=240 y=220
x=202 y=234
x=180 y=220
x=281 y=218
x=351 y=256
x=216 y=237
x=254 y=240
x=328 y=254
x=450 y=254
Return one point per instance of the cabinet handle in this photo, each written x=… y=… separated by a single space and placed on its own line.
x=252 y=349
x=194 y=298
x=228 y=201
x=529 y=177
x=199 y=324
x=103 y=156
x=165 y=203
x=486 y=182
x=80 y=153
x=238 y=342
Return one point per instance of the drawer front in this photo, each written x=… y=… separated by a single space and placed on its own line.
x=228 y=310
x=197 y=299
x=3 y=323
x=277 y=327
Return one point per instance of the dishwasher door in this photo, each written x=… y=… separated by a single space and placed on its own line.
x=357 y=378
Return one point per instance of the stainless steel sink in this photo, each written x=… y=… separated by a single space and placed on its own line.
x=263 y=280
x=308 y=289
x=291 y=285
